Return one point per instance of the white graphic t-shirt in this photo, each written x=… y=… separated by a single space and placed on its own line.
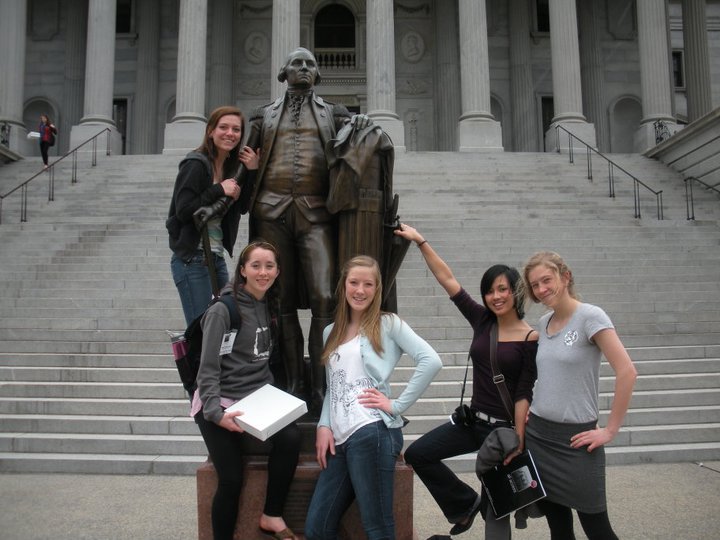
x=347 y=380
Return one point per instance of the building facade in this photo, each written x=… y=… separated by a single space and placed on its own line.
x=438 y=75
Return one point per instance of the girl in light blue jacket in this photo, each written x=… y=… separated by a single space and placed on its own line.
x=359 y=435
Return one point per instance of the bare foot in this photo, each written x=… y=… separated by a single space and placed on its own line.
x=272 y=524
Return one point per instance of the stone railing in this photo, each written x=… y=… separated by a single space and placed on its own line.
x=694 y=152
x=336 y=59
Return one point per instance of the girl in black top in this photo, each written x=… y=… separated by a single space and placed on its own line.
x=501 y=288
x=206 y=175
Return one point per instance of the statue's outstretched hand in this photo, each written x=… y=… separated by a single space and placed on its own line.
x=360 y=121
x=205 y=213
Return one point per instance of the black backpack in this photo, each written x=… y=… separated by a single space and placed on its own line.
x=188 y=346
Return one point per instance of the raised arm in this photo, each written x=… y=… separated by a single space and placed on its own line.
x=437 y=266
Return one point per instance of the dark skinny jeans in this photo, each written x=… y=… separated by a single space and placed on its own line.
x=226 y=449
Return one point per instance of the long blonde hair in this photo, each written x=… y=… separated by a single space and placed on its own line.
x=554 y=262
x=370 y=321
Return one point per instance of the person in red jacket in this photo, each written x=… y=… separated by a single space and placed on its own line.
x=47 y=132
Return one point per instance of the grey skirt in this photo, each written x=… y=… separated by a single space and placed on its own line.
x=572 y=477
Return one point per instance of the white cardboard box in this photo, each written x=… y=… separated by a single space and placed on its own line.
x=267 y=410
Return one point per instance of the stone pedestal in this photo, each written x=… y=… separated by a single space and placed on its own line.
x=584 y=131
x=181 y=136
x=84 y=131
x=18 y=141
x=479 y=134
x=644 y=138
x=301 y=490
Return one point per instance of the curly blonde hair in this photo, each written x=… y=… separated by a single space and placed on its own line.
x=554 y=262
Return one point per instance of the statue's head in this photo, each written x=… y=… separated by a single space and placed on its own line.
x=300 y=69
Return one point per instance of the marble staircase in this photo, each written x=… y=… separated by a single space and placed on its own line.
x=87 y=381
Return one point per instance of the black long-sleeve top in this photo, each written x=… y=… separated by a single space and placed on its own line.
x=515 y=359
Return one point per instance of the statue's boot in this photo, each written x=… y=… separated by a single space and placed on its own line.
x=292 y=351
x=316 y=368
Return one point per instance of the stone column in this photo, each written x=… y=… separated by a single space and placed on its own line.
x=145 y=113
x=187 y=128
x=285 y=39
x=593 y=74
x=447 y=82
x=522 y=95
x=381 y=70
x=74 y=81
x=477 y=129
x=99 y=78
x=567 y=88
x=220 y=71
x=13 y=24
x=697 y=64
x=654 y=71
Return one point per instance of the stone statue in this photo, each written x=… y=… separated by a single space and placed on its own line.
x=289 y=208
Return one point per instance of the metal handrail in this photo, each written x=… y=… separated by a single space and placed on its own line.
x=689 y=199
x=51 y=174
x=611 y=173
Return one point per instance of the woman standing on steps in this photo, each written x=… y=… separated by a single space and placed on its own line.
x=359 y=435
x=205 y=176
x=562 y=429
x=503 y=299
x=47 y=132
x=224 y=379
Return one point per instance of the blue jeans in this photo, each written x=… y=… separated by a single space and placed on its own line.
x=192 y=280
x=362 y=468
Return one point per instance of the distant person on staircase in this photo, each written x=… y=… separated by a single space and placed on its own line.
x=223 y=380
x=206 y=175
x=562 y=431
x=503 y=299
x=47 y=132
x=359 y=434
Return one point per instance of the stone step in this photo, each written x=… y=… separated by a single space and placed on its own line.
x=159 y=346
x=164 y=384
x=427 y=327
x=705 y=357
x=85 y=443
x=32 y=267
x=111 y=318
x=649 y=419
x=151 y=444
x=133 y=402
x=187 y=465
x=101 y=406
x=161 y=369
x=14 y=462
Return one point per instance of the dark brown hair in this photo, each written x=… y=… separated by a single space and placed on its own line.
x=208 y=146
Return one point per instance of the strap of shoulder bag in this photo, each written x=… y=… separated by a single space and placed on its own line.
x=467 y=366
x=498 y=377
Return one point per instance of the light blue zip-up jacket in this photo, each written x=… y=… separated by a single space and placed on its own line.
x=397 y=338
